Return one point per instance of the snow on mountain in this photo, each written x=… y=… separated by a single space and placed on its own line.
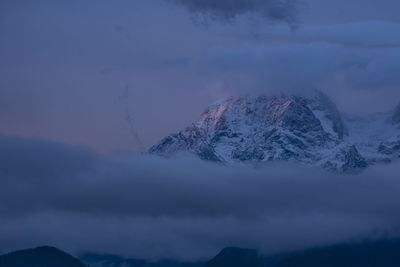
x=296 y=128
x=377 y=136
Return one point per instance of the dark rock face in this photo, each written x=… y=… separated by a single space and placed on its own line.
x=307 y=130
x=39 y=257
x=322 y=103
x=390 y=148
x=298 y=118
x=396 y=115
x=353 y=160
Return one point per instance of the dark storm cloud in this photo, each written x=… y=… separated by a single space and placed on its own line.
x=345 y=11
x=363 y=35
x=228 y=10
x=145 y=206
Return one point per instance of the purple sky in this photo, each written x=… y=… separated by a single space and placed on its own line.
x=120 y=75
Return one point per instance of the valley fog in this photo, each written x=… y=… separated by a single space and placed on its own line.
x=151 y=207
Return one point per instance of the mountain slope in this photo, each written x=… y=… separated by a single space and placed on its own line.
x=39 y=257
x=383 y=253
x=104 y=260
x=380 y=253
x=297 y=128
x=233 y=256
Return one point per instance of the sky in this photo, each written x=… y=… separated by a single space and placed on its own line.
x=85 y=85
x=120 y=75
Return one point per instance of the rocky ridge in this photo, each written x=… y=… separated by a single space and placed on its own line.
x=295 y=128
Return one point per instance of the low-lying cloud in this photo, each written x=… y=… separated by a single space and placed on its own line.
x=150 y=207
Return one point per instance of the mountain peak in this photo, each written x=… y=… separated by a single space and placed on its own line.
x=40 y=256
x=304 y=128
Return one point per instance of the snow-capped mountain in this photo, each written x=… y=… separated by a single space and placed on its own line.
x=304 y=129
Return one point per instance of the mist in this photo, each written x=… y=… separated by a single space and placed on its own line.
x=150 y=207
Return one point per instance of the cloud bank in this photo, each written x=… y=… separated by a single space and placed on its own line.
x=149 y=207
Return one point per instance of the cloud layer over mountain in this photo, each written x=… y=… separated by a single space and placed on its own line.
x=75 y=71
x=144 y=206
